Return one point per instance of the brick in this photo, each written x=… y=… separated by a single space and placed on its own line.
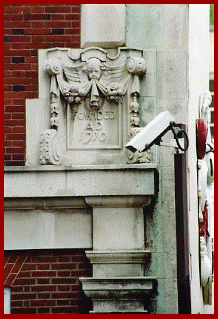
x=44 y=295
x=43 y=281
x=19 y=129
x=58 y=38
x=16 y=304
x=38 y=31
x=82 y=265
x=58 y=31
x=23 y=311
x=14 y=163
x=63 y=302
x=72 y=17
x=43 y=274
x=19 y=73
x=42 y=302
x=26 y=303
x=36 y=16
x=24 y=274
x=17 y=289
x=18 y=31
x=19 y=88
x=15 y=122
x=7 y=116
x=17 y=17
x=64 y=259
x=57 y=9
x=78 y=273
x=63 y=273
x=14 y=108
x=63 y=295
x=64 y=288
x=19 y=38
x=79 y=258
x=43 y=288
x=20 y=115
x=43 y=267
x=75 y=287
x=18 y=158
x=23 y=296
x=18 y=59
x=13 y=9
x=61 y=24
x=7 y=144
x=22 y=281
x=38 y=24
x=63 y=281
x=20 y=24
x=28 y=267
x=72 y=31
x=43 y=259
x=63 y=266
x=57 y=17
x=43 y=310
x=15 y=150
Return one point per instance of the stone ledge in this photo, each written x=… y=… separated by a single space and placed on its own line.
x=119 y=294
x=106 y=180
x=118 y=257
x=122 y=287
x=44 y=203
x=40 y=168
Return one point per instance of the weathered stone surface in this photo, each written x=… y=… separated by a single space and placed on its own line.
x=103 y=25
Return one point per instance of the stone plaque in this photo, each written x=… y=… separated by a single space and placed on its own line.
x=95 y=129
x=94 y=105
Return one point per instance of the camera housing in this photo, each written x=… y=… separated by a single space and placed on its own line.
x=152 y=133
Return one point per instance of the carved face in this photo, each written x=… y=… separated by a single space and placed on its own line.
x=94 y=69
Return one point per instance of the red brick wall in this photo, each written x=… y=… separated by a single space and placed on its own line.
x=47 y=281
x=28 y=28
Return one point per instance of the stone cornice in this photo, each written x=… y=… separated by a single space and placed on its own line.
x=119 y=257
x=91 y=180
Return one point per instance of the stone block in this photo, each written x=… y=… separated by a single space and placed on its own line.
x=103 y=25
x=118 y=228
x=46 y=230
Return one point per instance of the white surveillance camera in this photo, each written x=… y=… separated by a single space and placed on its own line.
x=152 y=133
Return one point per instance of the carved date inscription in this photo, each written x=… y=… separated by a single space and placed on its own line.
x=94 y=129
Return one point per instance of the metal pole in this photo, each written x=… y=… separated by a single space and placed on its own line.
x=182 y=238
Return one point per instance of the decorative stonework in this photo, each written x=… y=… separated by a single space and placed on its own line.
x=50 y=152
x=94 y=102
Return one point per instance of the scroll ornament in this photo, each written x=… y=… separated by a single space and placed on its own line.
x=50 y=152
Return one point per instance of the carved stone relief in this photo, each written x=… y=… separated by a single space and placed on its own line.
x=98 y=96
